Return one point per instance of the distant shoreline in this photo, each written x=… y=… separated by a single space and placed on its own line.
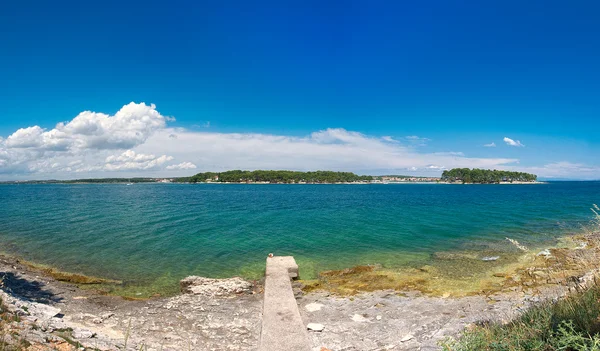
x=37 y=182
x=453 y=176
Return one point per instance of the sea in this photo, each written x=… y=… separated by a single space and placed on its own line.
x=152 y=235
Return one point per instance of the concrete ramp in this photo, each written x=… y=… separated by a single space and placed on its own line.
x=282 y=326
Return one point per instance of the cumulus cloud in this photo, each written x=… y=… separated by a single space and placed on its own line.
x=25 y=138
x=129 y=127
x=512 y=142
x=89 y=137
x=492 y=144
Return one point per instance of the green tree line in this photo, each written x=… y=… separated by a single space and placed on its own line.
x=238 y=176
x=485 y=176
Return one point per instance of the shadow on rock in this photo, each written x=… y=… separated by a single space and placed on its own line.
x=23 y=288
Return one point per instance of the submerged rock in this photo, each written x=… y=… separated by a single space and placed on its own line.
x=450 y=255
x=214 y=287
x=490 y=258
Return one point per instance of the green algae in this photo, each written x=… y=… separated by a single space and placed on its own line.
x=463 y=273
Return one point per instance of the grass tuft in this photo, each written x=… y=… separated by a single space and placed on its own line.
x=10 y=339
x=571 y=324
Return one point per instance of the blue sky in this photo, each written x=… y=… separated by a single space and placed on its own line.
x=458 y=75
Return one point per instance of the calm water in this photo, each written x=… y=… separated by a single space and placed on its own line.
x=159 y=233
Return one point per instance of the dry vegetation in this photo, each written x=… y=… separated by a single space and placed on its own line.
x=571 y=323
x=10 y=339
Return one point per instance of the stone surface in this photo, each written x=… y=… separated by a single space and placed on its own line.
x=282 y=326
x=214 y=287
x=49 y=308
x=353 y=323
x=233 y=322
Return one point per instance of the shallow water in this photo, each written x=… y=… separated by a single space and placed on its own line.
x=155 y=234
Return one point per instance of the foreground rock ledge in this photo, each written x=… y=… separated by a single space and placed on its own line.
x=215 y=287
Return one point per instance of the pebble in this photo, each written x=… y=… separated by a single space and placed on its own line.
x=313 y=307
x=407 y=337
x=359 y=318
x=80 y=333
x=315 y=327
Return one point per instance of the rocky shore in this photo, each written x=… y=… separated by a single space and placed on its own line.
x=53 y=315
x=41 y=313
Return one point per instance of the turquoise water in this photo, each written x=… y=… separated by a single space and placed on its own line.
x=148 y=233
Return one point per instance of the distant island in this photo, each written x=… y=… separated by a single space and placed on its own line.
x=453 y=176
x=92 y=181
x=285 y=177
x=486 y=176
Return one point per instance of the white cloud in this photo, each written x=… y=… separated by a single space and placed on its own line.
x=450 y=153
x=331 y=149
x=416 y=140
x=492 y=144
x=129 y=156
x=138 y=141
x=25 y=138
x=88 y=138
x=130 y=160
x=512 y=142
x=202 y=125
x=565 y=170
x=389 y=139
x=129 y=127
x=182 y=165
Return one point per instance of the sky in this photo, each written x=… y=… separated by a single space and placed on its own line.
x=165 y=89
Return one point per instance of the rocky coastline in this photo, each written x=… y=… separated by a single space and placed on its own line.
x=43 y=313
